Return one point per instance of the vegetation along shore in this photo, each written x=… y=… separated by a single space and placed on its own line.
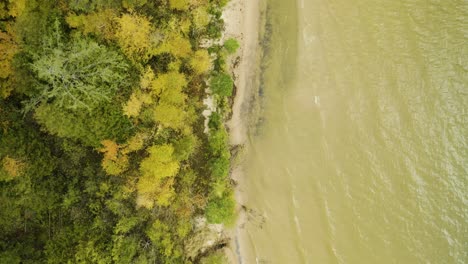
x=114 y=146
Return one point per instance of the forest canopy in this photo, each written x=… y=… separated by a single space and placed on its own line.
x=104 y=154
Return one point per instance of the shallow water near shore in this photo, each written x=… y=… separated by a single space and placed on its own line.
x=362 y=154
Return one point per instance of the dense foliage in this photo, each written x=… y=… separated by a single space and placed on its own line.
x=103 y=154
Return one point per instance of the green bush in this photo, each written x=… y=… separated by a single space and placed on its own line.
x=219 y=166
x=222 y=84
x=218 y=141
x=215 y=121
x=216 y=258
x=221 y=210
x=231 y=45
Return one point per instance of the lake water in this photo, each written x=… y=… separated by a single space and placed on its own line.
x=362 y=156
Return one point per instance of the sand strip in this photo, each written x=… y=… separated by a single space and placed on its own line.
x=242 y=21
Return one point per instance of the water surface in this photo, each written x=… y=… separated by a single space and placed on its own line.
x=362 y=157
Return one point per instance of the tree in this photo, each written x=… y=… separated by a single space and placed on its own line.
x=12 y=167
x=78 y=115
x=167 y=82
x=130 y=4
x=100 y=23
x=13 y=8
x=140 y=97
x=160 y=163
x=135 y=143
x=182 y=5
x=200 y=61
x=133 y=106
x=170 y=110
x=133 y=35
x=201 y=18
x=92 y=5
x=156 y=180
x=221 y=84
x=78 y=75
x=114 y=161
x=185 y=146
x=160 y=235
x=8 y=48
x=169 y=115
x=90 y=127
x=175 y=44
x=124 y=249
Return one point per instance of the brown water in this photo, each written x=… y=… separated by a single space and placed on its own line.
x=362 y=157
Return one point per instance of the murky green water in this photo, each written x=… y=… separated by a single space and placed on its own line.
x=363 y=154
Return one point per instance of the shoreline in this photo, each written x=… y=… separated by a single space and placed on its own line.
x=242 y=20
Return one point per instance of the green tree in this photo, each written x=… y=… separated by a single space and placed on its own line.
x=76 y=75
x=93 y=5
x=124 y=249
x=185 y=146
x=90 y=127
x=160 y=234
x=130 y=4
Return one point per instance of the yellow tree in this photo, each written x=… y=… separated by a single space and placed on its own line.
x=141 y=96
x=8 y=49
x=135 y=143
x=170 y=110
x=175 y=44
x=155 y=185
x=168 y=81
x=114 y=161
x=200 y=61
x=16 y=7
x=199 y=2
x=182 y=5
x=169 y=116
x=134 y=35
x=100 y=23
x=147 y=78
x=133 y=106
x=12 y=167
x=201 y=17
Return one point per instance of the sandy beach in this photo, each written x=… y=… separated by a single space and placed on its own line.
x=243 y=22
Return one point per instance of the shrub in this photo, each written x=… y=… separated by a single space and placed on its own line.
x=216 y=258
x=231 y=45
x=220 y=210
x=222 y=84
